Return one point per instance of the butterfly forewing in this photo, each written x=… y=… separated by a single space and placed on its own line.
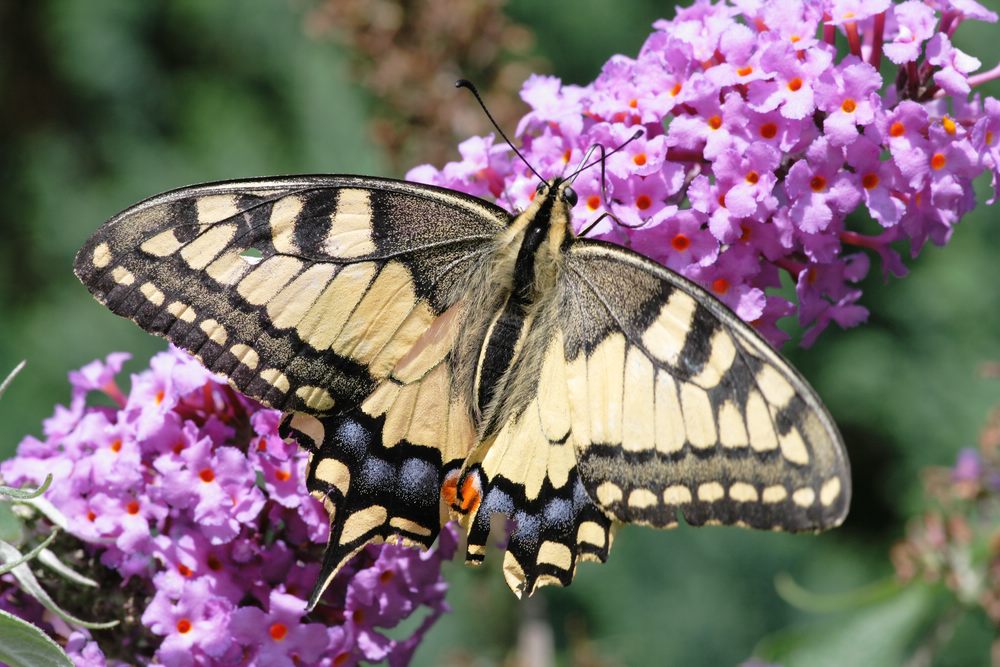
x=678 y=406
x=303 y=292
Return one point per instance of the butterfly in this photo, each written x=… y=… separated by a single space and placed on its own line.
x=441 y=358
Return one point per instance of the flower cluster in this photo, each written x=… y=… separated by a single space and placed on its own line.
x=193 y=513
x=759 y=139
x=957 y=541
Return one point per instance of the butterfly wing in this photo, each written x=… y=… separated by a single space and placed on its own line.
x=679 y=406
x=303 y=291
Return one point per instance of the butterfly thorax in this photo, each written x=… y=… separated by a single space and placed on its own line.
x=518 y=297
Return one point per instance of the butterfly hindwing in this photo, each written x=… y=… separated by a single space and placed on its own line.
x=678 y=406
x=304 y=291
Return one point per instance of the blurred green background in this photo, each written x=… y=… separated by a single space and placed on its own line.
x=106 y=102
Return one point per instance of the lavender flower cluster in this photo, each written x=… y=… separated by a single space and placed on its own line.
x=760 y=139
x=185 y=490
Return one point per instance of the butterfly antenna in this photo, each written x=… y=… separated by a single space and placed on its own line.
x=605 y=156
x=465 y=83
x=604 y=181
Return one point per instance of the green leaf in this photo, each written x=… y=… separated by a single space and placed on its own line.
x=51 y=561
x=875 y=636
x=24 y=645
x=26 y=492
x=29 y=584
x=12 y=557
x=11 y=527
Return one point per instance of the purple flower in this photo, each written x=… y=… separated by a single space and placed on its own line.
x=164 y=491
x=721 y=81
x=278 y=637
x=968 y=466
x=915 y=23
x=953 y=77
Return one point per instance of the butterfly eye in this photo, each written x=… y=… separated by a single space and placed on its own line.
x=541 y=187
x=569 y=195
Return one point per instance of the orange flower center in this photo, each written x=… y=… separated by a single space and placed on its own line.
x=642 y=202
x=753 y=177
x=720 y=285
x=680 y=242
x=91 y=516
x=132 y=507
x=282 y=475
x=795 y=84
x=593 y=202
x=184 y=626
x=768 y=130
x=675 y=90
x=159 y=397
x=715 y=122
x=896 y=129
x=849 y=105
x=870 y=181
x=386 y=576
x=214 y=563
x=745 y=71
x=639 y=159
x=116 y=446
x=634 y=103
x=207 y=475
x=938 y=161
x=278 y=631
x=817 y=183
x=989 y=138
x=949 y=125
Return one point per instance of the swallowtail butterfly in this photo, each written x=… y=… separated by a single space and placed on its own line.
x=442 y=358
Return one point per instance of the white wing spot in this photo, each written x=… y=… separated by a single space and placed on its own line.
x=676 y=495
x=774 y=494
x=102 y=255
x=641 y=498
x=804 y=497
x=742 y=492
x=709 y=492
x=829 y=491
x=608 y=493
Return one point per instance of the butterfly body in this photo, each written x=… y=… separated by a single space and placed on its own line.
x=442 y=358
